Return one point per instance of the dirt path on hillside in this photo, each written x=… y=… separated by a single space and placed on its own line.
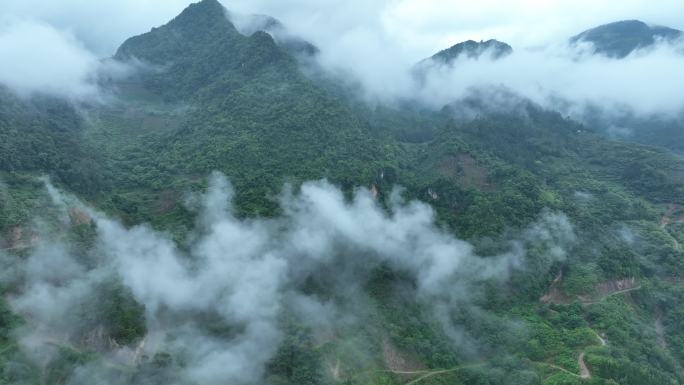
x=619 y=292
x=424 y=374
x=598 y=336
x=601 y=291
x=432 y=374
x=566 y=371
x=585 y=373
x=584 y=369
x=555 y=294
x=675 y=242
x=13 y=248
x=660 y=332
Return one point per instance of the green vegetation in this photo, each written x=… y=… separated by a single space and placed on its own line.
x=619 y=39
x=212 y=99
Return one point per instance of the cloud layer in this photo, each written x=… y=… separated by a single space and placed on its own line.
x=40 y=58
x=52 y=46
x=247 y=272
x=647 y=82
x=100 y=25
x=376 y=44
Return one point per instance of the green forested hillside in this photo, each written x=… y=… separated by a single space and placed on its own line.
x=619 y=39
x=210 y=99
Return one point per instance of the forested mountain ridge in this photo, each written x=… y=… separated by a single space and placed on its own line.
x=250 y=111
x=621 y=38
x=208 y=98
x=473 y=50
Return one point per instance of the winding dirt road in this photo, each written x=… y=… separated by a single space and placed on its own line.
x=584 y=369
x=611 y=295
x=427 y=373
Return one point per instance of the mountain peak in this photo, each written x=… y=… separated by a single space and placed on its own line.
x=620 y=38
x=472 y=49
x=250 y=24
x=198 y=24
x=208 y=12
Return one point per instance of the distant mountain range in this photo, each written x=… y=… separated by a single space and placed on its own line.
x=215 y=93
x=471 y=49
x=615 y=40
x=619 y=39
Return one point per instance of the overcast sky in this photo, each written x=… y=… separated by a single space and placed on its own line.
x=421 y=27
x=53 y=45
x=418 y=27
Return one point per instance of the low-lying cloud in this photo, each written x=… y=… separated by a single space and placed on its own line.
x=647 y=82
x=40 y=58
x=102 y=25
x=54 y=48
x=248 y=272
x=378 y=44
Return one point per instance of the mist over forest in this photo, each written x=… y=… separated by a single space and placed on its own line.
x=296 y=192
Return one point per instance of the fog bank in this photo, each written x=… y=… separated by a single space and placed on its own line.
x=247 y=273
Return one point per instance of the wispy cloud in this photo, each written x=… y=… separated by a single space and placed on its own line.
x=247 y=272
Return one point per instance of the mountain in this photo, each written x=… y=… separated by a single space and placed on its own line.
x=467 y=50
x=251 y=112
x=249 y=24
x=471 y=49
x=619 y=39
x=196 y=47
x=44 y=134
x=588 y=229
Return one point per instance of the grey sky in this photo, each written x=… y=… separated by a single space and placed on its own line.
x=417 y=27
x=53 y=45
x=420 y=27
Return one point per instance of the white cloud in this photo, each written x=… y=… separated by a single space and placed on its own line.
x=246 y=271
x=101 y=25
x=54 y=47
x=376 y=43
x=38 y=58
x=420 y=27
x=647 y=82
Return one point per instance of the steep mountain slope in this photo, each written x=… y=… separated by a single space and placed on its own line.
x=211 y=98
x=249 y=24
x=467 y=50
x=662 y=130
x=619 y=39
x=247 y=109
x=43 y=134
x=473 y=50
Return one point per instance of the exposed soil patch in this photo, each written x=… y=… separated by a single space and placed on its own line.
x=166 y=201
x=601 y=291
x=466 y=170
x=555 y=294
x=612 y=287
x=660 y=332
x=397 y=361
x=79 y=217
x=20 y=239
x=673 y=214
x=335 y=370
